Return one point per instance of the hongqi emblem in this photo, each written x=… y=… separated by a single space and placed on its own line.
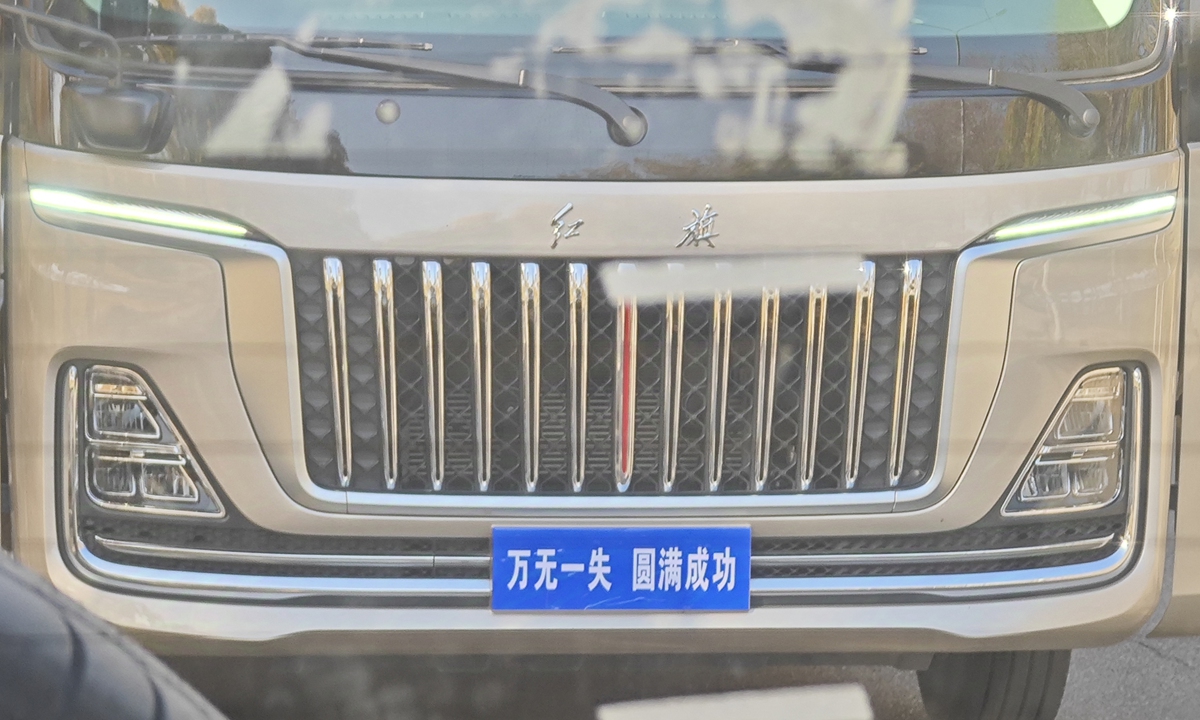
x=562 y=230
x=700 y=229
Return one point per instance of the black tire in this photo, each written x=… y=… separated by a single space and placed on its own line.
x=57 y=660
x=995 y=686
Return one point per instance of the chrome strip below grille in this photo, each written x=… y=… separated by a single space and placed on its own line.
x=339 y=370
x=947 y=556
x=173 y=552
x=169 y=552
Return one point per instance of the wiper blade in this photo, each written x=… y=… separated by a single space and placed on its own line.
x=626 y=126
x=1080 y=115
x=1077 y=112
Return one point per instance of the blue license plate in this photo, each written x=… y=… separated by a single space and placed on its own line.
x=681 y=569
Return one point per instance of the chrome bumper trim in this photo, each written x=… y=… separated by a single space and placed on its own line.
x=931 y=557
x=170 y=552
x=130 y=577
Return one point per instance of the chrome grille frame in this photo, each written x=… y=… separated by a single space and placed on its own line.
x=786 y=394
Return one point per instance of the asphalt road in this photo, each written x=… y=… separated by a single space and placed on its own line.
x=1143 y=679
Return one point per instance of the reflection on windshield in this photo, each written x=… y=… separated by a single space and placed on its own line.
x=627 y=18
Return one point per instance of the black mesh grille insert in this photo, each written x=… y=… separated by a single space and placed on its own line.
x=732 y=463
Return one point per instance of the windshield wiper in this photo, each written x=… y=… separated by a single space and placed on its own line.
x=1077 y=111
x=626 y=126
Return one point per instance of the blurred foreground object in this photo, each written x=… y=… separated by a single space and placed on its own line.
x=59 y=661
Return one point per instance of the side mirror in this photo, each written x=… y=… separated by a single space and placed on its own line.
x=124 y=119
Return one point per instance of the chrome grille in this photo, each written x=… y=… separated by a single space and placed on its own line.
x=476 y=376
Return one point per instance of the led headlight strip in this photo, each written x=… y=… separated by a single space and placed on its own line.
x=1083 y=218
x=64 y=201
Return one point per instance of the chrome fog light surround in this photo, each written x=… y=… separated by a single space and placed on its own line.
x=1089 y=452
x=120 y=447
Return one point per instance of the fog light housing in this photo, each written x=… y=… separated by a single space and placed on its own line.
x=1083 y=459
x=124 y=450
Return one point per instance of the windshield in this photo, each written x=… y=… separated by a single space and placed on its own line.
x=635 y=89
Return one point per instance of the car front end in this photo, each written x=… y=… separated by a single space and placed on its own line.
x=268 y=401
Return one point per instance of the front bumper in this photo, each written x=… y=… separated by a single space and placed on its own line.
x=1096 y=617
x=180 y=308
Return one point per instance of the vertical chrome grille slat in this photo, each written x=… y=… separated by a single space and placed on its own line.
x=718 y=386
x=339 y=365
x=531 y=369
x=577 y=320
x=625 y=391
x=860 y=354
x=435 y=369
x=764 y=384
x=389 y=401
x=481 y=344
x=910 y=305
x=810 y=407
x=672 y=387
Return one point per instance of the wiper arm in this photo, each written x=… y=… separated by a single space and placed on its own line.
x=1080 y=115
x=626 y=126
